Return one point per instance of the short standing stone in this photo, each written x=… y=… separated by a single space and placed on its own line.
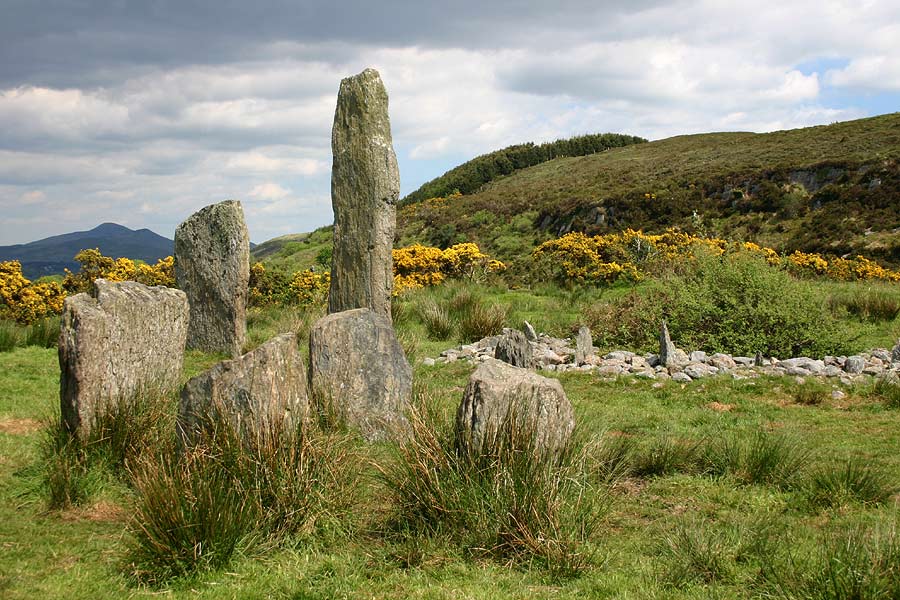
x=499 y=394
x=584 y=345
x=212 y=266
x=357 y=364
x=529 y=332
x=895 y=353
x=666 y=347
x=123 y=340
x=365 y=185
x=514 y=348
x=264 y=389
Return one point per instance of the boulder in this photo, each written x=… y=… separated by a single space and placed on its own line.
x=365 y=185
x=122 y=340
x=500 y=395
x=212 y=266
x=854 y=364
x=357 y=365
x=514 y=348
x=264 y=389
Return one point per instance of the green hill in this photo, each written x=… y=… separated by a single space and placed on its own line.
x=833 y=189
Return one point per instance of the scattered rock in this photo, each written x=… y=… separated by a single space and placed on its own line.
x=122 y=340
x=681 y=377
x=365 y=185
x=854 y=364
x=212 y=266
x=357 y=365
x=498 y=393
x=264 y=389
x=514 y=349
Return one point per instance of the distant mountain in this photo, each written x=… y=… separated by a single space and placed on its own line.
x=51 y=255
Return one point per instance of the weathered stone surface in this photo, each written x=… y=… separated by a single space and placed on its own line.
x=895 y=353
x=499 y=393
x=356 y=363
x=584 y=345
x=263 y=389
x=212 y=266
x=854 y=364
x=530 y=334
x=124 y=339
x=513 y=348
x=666 y=347
x=365 y=185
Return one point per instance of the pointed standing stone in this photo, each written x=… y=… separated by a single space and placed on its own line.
x=666 y=347
x=584 y=345
x=212 y=266
x=365 y=185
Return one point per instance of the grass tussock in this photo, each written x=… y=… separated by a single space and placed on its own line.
x=854 y=562
x=76 y=465
x=848 y=482
x=463 y=315
x=226 y=495
x=509 y=500
x=875 y=305
x=764 y=458
x=811 y=393
x=888 y=391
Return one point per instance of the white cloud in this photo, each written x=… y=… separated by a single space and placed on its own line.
x=268 y=191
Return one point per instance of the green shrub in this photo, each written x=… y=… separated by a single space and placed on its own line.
x=735 y=303
x=510 y=500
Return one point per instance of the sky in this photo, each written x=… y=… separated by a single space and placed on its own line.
x=142 y=112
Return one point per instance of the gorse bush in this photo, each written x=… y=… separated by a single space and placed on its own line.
x=96 y=266
x=23 y=301
x=509 y=500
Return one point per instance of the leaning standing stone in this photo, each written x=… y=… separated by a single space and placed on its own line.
x=122 y=340
x=212 y=266
x=499 y=395
x=365 y=185
x=357 y=367
x=262 y=390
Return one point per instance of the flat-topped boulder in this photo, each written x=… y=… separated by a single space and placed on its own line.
x=264 y=389
x=122 y=340
x=365 y=186
x=500 y=395
x=357 y=366
x=212 y=266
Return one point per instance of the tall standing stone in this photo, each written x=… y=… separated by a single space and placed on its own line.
x=515 y=349
x=365 y=185
x=121 y=340
x=212 y=266
x=666 y=347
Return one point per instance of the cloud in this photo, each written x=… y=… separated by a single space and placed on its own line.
x=142 y=113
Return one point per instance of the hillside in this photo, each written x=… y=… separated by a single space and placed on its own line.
x=50 y=256
x=833 y=189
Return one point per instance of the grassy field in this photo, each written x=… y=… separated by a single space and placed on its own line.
x=720 y=488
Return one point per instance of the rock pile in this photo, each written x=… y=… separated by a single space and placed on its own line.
x=556 y=354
